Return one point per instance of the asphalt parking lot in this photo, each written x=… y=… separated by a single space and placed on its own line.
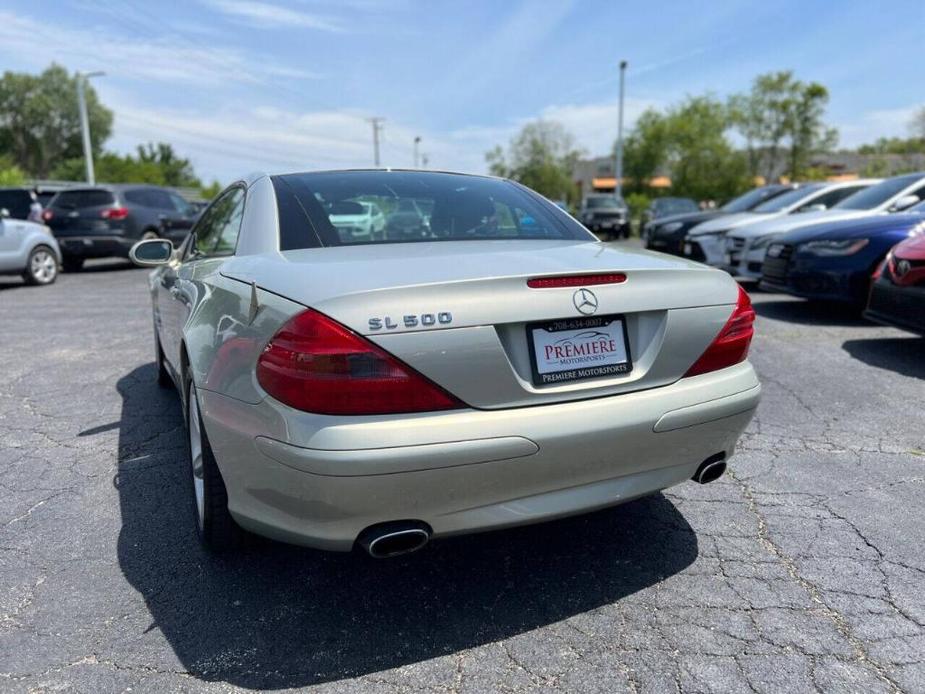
x=803 y=570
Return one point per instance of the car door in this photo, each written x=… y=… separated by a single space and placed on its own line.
x=215 y=235
x=10 y=241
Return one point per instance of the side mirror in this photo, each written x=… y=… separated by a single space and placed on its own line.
x=151 y=253
x=905 y=202
x=4 y=213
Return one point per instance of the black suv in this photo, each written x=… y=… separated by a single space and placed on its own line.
x=107 y=220
x=605 y=215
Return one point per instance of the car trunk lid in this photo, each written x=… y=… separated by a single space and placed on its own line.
x=463 y=314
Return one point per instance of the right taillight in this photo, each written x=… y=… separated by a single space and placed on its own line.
x=315 y=364
x=48 y=215
x=730 y=346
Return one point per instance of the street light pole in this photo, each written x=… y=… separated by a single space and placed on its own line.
x=417 y=141
x=82 y=80
x=618 y=164
x=377 y=127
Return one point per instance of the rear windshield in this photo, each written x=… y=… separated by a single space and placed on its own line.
x=83 y=198
x=16 y=202
x=374 y=207
x=790 y=198
x=872 y=197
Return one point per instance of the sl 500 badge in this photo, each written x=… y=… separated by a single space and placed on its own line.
x=424 y=320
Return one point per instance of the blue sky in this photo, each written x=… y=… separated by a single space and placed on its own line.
x=242 y=85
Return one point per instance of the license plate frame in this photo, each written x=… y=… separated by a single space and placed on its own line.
x=578 y=373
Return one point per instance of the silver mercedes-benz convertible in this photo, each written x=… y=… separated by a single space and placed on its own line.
x=480 y=360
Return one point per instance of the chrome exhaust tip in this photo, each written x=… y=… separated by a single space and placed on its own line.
x=710 y=469
x=393 y=539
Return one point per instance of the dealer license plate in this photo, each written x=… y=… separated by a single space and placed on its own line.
x=575 y=349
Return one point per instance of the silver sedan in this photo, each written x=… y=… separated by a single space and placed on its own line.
x=502 y=367
x=28 y=249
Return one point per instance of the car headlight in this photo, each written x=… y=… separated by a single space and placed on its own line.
x=834 y=248
x=674 y=226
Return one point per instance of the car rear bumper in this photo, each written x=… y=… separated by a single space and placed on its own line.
x=320 y=481
x=95 y=246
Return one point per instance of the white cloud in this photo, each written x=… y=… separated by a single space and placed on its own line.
x=163 y=59
x=266 y=15
x=895 y=122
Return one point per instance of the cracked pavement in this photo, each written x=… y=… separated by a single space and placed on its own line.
x=803 y=570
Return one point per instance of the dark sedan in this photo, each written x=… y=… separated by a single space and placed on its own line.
x=834 y=261
x=667 y=233
x=897 y=296
x=107 y=220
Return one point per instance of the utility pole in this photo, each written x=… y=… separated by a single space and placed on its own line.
x=417 y=141
x=377 y=128
x=82 y=80
x=618 y=164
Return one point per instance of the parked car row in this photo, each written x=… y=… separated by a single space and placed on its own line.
x=80 y=222
x=820 y=241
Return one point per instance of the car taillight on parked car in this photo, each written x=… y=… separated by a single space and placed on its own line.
x=47 y=215
x=730 y=346
x=315 y=364
x=115 y=213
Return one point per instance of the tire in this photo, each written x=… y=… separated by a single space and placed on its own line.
x=41 y=267
x=72 y=263
x=163 y=376
x=215 y=527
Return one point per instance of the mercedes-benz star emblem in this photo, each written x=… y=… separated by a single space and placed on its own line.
x=585 y=301
x=902 y=267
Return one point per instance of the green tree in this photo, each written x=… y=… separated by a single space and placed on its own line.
x=917 y=126
x=702 y=161
x=157 y=164
x=210 y=191
x=688 y=141
x=542 y=157
x=781 y=119
x=10 y=174
x=39 y=120
x=645 y=149
x=175 y=170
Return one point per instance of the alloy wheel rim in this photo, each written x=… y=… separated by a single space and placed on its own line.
x=43 y=267
x=195 y=445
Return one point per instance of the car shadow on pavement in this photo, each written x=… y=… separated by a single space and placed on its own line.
x=903 y=355
x=810 y=312
x=282 y=616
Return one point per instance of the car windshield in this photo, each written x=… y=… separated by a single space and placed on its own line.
x=789 y=199
x=753 y=198
x=603 y=201
x=872 y=197
x=458 y=208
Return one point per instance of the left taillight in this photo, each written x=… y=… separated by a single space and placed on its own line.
x=114 y=213
x=731 y=345
x=315 y=364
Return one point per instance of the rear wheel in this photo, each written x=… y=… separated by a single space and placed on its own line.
x=72 y=263
x=216 y=528
x=42 y=266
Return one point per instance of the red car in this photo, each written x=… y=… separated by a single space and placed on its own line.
x=897 y=295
